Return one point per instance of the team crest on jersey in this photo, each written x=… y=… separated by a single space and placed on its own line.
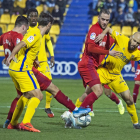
x=117 y=33
x=17 y=41
x=92 y=36
x=30 y=39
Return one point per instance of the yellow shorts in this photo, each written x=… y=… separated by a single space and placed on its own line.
x=114 y=81
x=24 y=81
x=45 y=69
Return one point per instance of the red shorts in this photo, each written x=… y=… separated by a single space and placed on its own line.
x=106 y=86
x=43 y=81
x=137 y=75
x=88 y=74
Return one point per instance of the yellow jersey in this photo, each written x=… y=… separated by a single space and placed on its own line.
x=42 y=56
x=27 y=55
x=115 y=65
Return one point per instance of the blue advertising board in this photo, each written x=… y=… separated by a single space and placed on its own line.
x=66 y=68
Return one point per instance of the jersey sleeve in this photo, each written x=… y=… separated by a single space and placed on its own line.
x=17 y=39
x=30 y=38
x=47 y=37
x=119 y=38
x=137 y=56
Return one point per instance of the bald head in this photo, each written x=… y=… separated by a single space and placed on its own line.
x=134 y=41
x=137 y=36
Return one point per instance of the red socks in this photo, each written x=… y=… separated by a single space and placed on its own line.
x=61 y=98
x=135 y=92
x=89 y=100
x=114 y=98
x=13 y=105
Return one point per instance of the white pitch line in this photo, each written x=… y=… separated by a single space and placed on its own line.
x=60 y=109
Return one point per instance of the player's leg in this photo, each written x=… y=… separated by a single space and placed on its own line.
x=119 y=86
x=12 y=108
x=27 y=82
x=44 y=68
x=130 y=108
x=47 y=85
x=136 y=91
x=111 y=95
x=35 y=97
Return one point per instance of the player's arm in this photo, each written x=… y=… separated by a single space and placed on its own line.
x=133 y=66
x=15 y=51
x=100 y=37
x=36 y=63
x=92 y=48
x=50 y=48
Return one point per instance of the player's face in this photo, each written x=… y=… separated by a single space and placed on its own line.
x=104 y=20
x=24 y=29
x=33 y=17
x=134 y=42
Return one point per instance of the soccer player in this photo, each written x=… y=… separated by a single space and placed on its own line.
x=137 y=78
x=9 y=41
x=91 y=58
x=32 y=16
x=20 y=70
x=110 y=70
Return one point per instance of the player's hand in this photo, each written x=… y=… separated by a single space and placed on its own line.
x=133 y=69
x=99 y=38
x=52 y=62
x=115 y=53
x=4 y=61
x=36 y=64
x=9 y=60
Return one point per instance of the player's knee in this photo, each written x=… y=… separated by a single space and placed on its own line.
x=18 y=96
x=99 y=92
x=41 y=97
x=53 y=89
x=137 y=82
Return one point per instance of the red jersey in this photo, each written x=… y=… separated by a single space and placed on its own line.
x=94 y=31
x=9 y=41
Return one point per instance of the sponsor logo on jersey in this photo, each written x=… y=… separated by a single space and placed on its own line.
x=92 y=36
x=30 y=39
x=17 y=41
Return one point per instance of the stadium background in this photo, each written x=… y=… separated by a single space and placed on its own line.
x=68 y=40
x=69 y=35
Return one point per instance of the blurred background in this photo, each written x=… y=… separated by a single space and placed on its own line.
x=73 y=18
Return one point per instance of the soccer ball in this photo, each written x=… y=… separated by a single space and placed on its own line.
x=83 y=121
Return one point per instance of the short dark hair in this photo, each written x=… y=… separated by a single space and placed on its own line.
x=45 y=18
x=21 y=20
x=31 y=10
x=105 y=11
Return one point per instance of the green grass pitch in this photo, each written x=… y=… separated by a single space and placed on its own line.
x=107 y=124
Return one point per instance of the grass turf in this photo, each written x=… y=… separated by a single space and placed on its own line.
x=107 y=124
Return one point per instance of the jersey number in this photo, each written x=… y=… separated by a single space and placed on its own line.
x=7 y=53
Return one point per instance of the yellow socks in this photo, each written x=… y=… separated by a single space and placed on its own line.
x=32 y=105
x=18 y=110
x=78 y=103
x=48 y=99
x=133 y=114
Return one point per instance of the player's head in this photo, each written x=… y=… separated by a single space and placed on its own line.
x=103 y=18
x=134 y=41
x=45 y=19
x=32 y=16
x=22 y=24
